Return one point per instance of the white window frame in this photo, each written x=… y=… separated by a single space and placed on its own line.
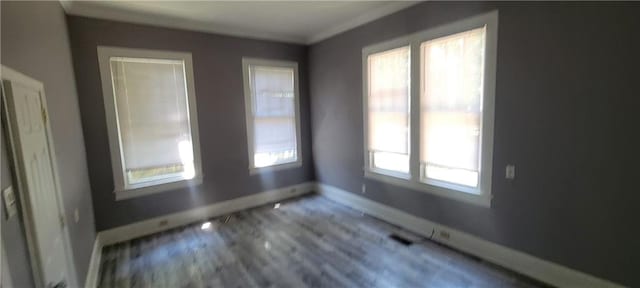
x=122 y=189
x=482 y=194
x=248 y=100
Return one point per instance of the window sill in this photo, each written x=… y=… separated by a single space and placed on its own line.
x=483 y=200
x=157 y=188
x=283 y=166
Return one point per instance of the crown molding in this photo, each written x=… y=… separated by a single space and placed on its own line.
x=362 y=19
x=96 y=10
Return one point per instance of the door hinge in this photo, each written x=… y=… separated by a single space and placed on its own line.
x=44 y=115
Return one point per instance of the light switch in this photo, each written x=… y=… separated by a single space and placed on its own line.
x=9 y=202
x=76 y=215
x=510 y=172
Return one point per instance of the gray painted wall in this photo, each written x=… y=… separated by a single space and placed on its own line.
x=567 y=93
x=35 y=42
x=13 y=237
x=220 y=102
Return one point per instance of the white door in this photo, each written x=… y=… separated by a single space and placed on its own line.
x=5 y=277
x=34 y=166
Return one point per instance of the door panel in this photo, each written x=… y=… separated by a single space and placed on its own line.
x=35 y=165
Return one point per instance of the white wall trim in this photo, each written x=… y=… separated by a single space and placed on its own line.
x=91 y=280
x=523 y=263
x=362 y=19
x=101 y=11
x=150 y=226
x=526 y=264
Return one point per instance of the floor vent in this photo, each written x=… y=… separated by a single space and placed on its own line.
x=400 y=239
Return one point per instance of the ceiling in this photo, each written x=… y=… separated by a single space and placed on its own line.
x=303 y=22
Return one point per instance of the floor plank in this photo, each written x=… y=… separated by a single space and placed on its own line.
x=309 y=241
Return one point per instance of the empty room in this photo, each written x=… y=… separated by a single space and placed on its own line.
x=319 y=144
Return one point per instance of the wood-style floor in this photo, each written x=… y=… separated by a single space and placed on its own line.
x=307 y=242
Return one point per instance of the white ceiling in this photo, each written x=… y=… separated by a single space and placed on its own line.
x=303 y=22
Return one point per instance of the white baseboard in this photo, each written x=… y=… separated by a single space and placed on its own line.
x=162 y=223
x=150 y=226
x=526 y=264
x=94 y=264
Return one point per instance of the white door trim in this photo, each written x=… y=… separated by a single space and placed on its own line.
x=5 y=274
x=8 y=74
x=94 y=264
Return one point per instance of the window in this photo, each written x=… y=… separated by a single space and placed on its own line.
x=151 y=118
x=451 y=112
x=433 y=130
x=273 y=125
x=388 y=110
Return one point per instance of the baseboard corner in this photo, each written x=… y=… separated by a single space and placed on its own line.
x=91 y=281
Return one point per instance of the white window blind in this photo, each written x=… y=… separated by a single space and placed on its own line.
x=273 y=115
x=451 y=112
x=153 y=119
x=388 y=109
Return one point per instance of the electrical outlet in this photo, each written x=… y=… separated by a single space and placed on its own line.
x=364 y=188
x=510 y=172
x=163 y=223
x=445 y=235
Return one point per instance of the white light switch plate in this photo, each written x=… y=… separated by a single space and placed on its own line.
x=9 y=202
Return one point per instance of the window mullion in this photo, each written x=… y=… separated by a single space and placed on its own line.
x=414 y=126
